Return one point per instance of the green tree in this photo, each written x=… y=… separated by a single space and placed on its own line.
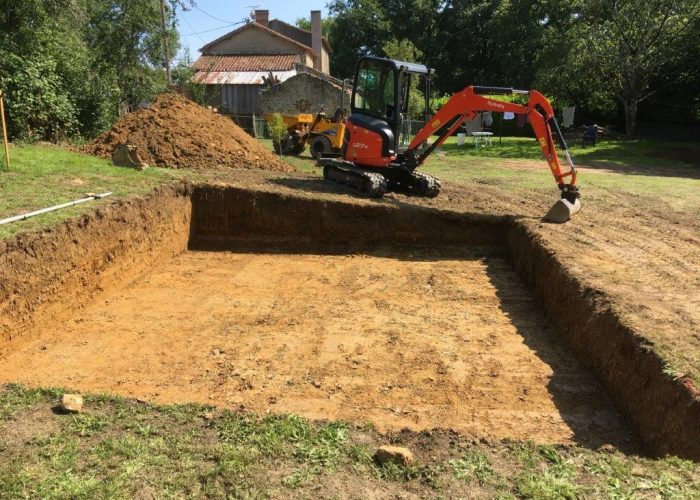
x=404 y=50
x=33 y=71
x=326 y=25
x=127 y=38
x=360 y=27
x=615 y=49
x=452 y=35
x=67 y=65
x=182 y=80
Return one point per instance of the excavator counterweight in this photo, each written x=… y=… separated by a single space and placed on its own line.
x=374 y=159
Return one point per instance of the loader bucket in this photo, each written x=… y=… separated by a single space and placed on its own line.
x=562 y=211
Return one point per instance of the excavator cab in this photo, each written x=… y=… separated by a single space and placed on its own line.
x=379 y=104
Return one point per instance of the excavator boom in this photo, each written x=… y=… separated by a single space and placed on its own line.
x=464 y=105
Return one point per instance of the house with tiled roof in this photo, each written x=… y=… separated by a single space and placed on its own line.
x=234 y=66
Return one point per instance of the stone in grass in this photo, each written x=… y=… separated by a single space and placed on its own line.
x=396 y=454
x=71 y=403
x=126 y=155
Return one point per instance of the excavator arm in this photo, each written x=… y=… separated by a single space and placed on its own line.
x=465 y=104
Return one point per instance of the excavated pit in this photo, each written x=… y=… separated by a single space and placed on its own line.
x=403 y=317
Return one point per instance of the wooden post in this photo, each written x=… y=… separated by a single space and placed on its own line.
x=4 y=131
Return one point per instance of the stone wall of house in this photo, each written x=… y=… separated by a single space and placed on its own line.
x=303 y=93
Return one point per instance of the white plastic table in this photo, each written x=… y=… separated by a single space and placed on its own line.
x=482 y=138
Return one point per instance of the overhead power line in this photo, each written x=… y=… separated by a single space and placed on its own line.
x=215 y=29
x=192 y=28
x=213 y=17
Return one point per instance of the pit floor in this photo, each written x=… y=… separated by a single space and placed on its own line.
x=399 y=338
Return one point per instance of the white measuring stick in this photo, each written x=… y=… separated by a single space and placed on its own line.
x=51 y=209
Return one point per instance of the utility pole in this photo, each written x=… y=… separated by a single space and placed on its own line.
x=166 y=51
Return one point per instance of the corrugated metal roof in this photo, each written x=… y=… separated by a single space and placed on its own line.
x=257 y=62
x=238 y=77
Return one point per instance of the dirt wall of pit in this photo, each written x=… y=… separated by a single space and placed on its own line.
x=45 y=276
x=228 y=216
x=664 y=411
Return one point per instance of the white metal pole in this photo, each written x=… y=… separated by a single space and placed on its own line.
x=51 y=209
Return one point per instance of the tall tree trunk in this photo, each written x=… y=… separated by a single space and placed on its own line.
x=630 y=106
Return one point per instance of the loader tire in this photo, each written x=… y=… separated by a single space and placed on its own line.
x=319 y=146
x=287 y=146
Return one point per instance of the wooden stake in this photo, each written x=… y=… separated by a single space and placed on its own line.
x=4 y=131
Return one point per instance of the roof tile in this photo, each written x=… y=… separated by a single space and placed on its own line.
x=256 y=62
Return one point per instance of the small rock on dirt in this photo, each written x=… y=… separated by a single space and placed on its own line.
x=396 y=454
x=71 y=403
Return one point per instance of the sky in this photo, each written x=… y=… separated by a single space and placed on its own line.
x=213 y=18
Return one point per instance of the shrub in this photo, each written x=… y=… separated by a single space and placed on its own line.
x=278 y=131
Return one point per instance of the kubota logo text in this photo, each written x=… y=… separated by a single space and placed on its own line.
x=495 y=104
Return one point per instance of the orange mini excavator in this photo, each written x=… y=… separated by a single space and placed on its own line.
x=373 y=160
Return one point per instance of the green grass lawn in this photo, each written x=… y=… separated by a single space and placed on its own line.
x=42 y=176
x=631 y=167
x=303 y=163
x=641 y=155
x=638 y=153
x=124 y=449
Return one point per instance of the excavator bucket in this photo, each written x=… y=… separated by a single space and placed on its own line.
x=562 y=211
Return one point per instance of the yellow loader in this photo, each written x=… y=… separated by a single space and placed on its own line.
x=324 y=135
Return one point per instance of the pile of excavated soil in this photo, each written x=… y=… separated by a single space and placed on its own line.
x=178 y=133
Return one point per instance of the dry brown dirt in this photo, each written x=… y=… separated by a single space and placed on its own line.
x=175 y=132
x=401 y=338
x=642 y=251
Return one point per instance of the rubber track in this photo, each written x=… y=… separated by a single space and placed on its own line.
x=421 y=184
x=368 y=183
x=433 y=184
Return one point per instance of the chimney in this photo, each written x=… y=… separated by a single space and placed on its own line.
x=316 y=39
x=262 y=17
